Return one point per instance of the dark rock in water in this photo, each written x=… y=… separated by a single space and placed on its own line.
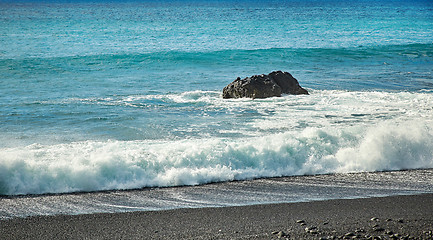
x=262 y=86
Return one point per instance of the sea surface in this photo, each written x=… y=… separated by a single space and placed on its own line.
x=117 y=95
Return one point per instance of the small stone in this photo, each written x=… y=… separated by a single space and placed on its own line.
x=281 y=234
x=349 y=234
x=374 y=219
x=308 y=229
x=300 y=221
x=400 y=221
x=303 y=224
x=389 y=220
x=275 y=232
x=325 y=223
x=389 y=232
x=378 y=229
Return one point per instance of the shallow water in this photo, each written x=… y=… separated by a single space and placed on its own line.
x=237 y=193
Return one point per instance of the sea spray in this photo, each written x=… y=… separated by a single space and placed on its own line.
x=390 y=147
x=93 y=166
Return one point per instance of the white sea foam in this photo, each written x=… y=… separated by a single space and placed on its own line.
x=93 y=165
x=325 y=132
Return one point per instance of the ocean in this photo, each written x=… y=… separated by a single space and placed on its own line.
x=120 y=95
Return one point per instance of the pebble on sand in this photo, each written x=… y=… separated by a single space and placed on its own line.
x=280 y=234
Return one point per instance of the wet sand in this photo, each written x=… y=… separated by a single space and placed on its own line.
x=395 y=217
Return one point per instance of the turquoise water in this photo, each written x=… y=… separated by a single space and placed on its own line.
x=108 y=95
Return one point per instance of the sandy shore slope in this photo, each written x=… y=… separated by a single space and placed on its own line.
x=392 y=217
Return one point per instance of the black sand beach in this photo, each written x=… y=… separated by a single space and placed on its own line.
x=394 y=217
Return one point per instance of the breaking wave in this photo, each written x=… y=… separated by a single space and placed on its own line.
x=104 y=165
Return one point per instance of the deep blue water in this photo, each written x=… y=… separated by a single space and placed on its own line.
x=109 y=95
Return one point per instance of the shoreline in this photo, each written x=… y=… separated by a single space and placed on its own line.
x=150 y=188
x=292 y=189
x=395 y=217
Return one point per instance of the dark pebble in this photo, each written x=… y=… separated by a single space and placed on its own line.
x=281 y=234
x=308 y=229
x=328 y=238
x=300 y=221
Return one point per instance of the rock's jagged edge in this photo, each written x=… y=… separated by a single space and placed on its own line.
x=263 y=86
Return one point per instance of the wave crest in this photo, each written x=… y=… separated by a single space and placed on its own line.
x=93 y=165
